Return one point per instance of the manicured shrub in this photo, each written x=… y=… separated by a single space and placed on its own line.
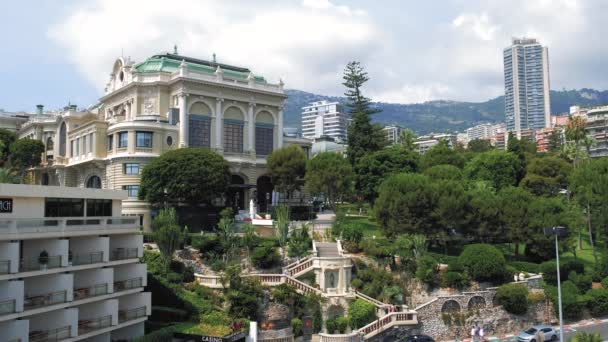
x=605 y=283
x=361 y=313
x=455 y=266
x=342 y=324
x=296 y=326
x=426 y=270
x=572 y=301
x=549 y=271
x=483 y=262
x=536 y=297
x=582 y=281
x=598 y=302
x=513 y=298
x=523 y=266
x=265 y=256
x=571 y=265
x=352 y=233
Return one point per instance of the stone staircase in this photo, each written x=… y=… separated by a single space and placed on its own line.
x=327 y=249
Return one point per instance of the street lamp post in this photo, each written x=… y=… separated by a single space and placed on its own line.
x=558 y=232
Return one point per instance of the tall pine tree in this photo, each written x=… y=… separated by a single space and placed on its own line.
x=363 y=136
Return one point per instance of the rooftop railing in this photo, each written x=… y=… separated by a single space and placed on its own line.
x=65 y=224
x=129 y=315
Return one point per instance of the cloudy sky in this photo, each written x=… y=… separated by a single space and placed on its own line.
x=52 y=52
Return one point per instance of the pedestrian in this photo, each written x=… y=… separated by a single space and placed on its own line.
x=540 y=336
x=481 y=333
x=473 y=333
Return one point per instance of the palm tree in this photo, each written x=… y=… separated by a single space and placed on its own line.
x=9 y=176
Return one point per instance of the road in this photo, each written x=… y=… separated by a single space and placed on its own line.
x=599 y=327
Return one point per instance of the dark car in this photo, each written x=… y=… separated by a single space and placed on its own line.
x=418 y=338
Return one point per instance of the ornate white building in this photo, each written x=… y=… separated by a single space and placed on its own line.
x=166 y=102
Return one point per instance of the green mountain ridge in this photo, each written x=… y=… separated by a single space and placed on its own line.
x=443 y=115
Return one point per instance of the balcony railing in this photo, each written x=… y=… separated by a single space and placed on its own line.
x=88 y=325
x=34 y=264
x=7 y=307
x=32 y=302
x=50 y=335
x=86 y=259
x=124 y=253
x=65 y=224
x=5 y=266
x=128 y=315
x=128 y=284
x=91 y=291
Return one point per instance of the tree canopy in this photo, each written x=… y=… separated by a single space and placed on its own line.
x=190 y=175
x=26 y=153
x=287 y=166
x=498 y=168
x=331 y=175
x=442 y=154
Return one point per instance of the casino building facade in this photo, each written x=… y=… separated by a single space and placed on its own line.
x=166 y=102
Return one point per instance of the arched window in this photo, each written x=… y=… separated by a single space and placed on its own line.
x=63 y=137
x=233 y=130
x=264 y=134
x=199 y=120
x=94 y=182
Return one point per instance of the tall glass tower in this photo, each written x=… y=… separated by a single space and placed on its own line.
x=527 y=102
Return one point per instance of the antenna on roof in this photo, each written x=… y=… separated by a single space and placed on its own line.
x=214 y=61
x=175 y=49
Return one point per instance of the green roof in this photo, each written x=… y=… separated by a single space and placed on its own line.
x=170 y=63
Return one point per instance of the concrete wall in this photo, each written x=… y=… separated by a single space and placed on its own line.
x=10 y=251
x=24 y=207
x=57 y=319
x=99 y=309
x=128 y=333
x=88 y=278
x=15 y=330
x=12 y=290
x=127 y=241
x=51 y=283
x=130 y=271
x=105 y=337
x=84 y=246
x=32 y=249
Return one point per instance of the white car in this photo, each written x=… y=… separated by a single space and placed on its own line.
x=529 y=335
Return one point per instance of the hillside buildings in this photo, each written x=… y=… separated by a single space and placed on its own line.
x=166 y=102
x=69 y=266
x=393 y=133
x=597 y=127
x=484 y=131
x=325 y=118
x=426 y=142
x=526 y=73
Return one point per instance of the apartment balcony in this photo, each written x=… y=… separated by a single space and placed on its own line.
x=131 y=314
x=125 y=253
x=15 y=330
x=40 y=264
x=47 y=290
x=93 y=282
x=128 y=284
x=91 y=291
x=86 y=326
x=56 y=334
x=5 y=266
x=11 y=297
x=123 y=247
x=9 y=257
x=129 y=276
x=23 y=229
x=87 y=259
x=54 y=326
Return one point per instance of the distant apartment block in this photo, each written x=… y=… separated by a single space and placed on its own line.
x=426 y=142
x=393 y=133
x=484 y=131
x=597 y=127
x=69 y=266
x=324 y=118
x=526 y=73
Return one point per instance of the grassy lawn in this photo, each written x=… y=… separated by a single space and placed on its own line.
x=368 y=226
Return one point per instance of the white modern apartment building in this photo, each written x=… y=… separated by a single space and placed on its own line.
x=426 y=142
x=526 y=71
x=597 y=127
x=324 y=118
x=393 y=133
x=69 y=266
x=484 y=131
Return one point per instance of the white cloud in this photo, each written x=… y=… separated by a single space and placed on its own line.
x=477 y=24
x=298 y=42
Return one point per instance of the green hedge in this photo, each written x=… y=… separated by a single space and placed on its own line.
x=513 y=298
x=523 y=266
x=483 y=262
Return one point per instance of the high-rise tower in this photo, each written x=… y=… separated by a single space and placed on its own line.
x=527 y=102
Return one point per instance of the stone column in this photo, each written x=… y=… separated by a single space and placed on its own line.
x=251 y=129
x=280 y=128
x=219 y=118
x=183 y=120
x=341 y=280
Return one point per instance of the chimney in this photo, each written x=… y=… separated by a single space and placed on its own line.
x=39 y=109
